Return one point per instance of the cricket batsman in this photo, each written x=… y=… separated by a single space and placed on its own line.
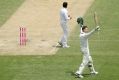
x=87 y=59
x=64 y=17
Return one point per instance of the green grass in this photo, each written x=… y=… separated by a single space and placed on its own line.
x=7 y=8
x=104 y=49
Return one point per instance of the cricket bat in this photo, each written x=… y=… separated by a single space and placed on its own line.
x=96 y=19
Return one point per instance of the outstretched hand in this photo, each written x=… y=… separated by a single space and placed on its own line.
x=69 y=16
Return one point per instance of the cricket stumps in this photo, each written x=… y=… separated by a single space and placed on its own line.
x=22 y=36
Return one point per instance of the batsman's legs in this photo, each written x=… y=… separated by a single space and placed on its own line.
x=83 y=64
x=91 y=67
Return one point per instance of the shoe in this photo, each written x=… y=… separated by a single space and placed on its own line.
x=94 y=72
x=79 y=75
x=66 y=46
x=60 y=44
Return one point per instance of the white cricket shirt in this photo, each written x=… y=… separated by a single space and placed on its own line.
x=64 y=15
x=84 y=39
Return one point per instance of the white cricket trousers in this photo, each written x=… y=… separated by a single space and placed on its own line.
x=87 y=61
x=65 y=33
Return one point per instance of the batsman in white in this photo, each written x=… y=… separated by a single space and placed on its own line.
x=64 y=17
x=87 y=59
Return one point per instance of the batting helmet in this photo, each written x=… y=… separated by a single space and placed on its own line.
x=80 y=21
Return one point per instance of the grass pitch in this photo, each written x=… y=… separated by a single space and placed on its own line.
x=7 y=8
x=103 y=47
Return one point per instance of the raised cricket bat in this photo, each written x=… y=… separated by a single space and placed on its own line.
x=96 y=19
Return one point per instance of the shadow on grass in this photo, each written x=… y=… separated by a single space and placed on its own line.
x=57 y=46
x=73 y=74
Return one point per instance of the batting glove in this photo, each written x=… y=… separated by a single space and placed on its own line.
x=97 y=28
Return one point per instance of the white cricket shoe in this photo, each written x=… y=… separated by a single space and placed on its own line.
x=66 y=46
x=79 y=75
x=60 y=44
x=93 y=72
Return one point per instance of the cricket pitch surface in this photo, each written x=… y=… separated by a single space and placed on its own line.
x=41 y=20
